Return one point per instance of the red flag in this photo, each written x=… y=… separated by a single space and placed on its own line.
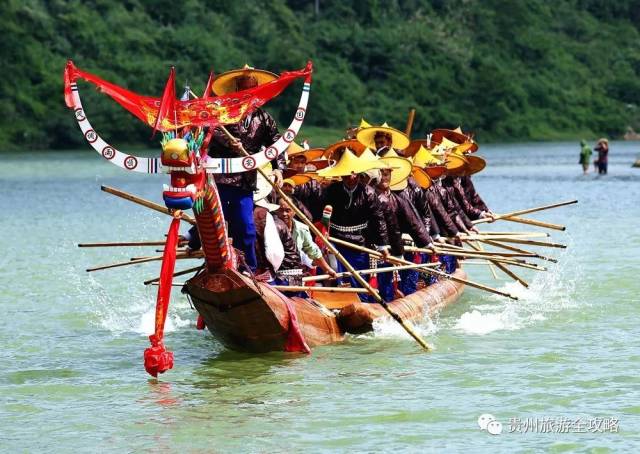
x=208 y=91
x=167 y=102
x=211 y=111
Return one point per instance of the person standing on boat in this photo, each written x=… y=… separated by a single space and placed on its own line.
x=603 y=155
x=357 y=215
x=585 y=156
x=254 y=131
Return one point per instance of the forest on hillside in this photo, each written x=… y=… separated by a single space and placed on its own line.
x=533 y=70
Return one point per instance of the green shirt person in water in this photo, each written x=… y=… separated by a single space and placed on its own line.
x=585 y=156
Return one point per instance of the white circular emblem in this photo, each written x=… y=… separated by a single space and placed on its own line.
x=289 y=135
x=91 y=136
x=248 y=163
x=130 y=162
x=108 y=152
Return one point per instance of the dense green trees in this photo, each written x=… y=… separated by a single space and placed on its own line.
x=507 y=70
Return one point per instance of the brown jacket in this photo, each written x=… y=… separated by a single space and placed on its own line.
x=256 y=130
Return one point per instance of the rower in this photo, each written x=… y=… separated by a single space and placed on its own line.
x=382 y=138
x=401 y=218
x=310 y=192
x=357 y=215
x=309 y=251
x=396 y=188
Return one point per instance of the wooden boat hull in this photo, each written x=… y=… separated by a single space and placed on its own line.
x=359 y=317
x=252 y=316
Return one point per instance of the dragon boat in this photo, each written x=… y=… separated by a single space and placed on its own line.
x=254 y=317
x=242 y=313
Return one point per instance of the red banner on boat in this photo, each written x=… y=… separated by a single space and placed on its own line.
x=156 y=358
x=210 y=111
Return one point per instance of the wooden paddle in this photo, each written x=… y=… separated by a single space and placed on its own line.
x=515 y=249
x=128 y=243
x=306 y=288
x=428 y=270
x=527 y=211
x=376 y=296
x=146 y=203
x=505 y=270
x=179 y=273
x=324 y=277
x=528 y=221
x=471 y=254
x=521 y=241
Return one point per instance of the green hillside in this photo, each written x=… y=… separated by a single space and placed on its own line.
x=506 y=70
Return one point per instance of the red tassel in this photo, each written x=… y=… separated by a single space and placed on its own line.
x=156 y=358
x=417 y=258
x=200 y=323
x=373 y=281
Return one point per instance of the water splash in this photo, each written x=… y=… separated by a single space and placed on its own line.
x=548 y=292
x=129 y=309
x=387 y=328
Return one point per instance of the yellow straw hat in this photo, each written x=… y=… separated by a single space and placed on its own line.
x=474 y=165
x=352 y=144
x=310 y=155
x=424 y=158
x=456 y=136
x=364 y=124
x=401 y=169
x=399 y=140
x=454 y=161
x=350 y=164
x=226 y=82
x=422 y=177
x=415 y=145
x=294 y=148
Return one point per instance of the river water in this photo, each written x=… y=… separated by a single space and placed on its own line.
x=566 y=353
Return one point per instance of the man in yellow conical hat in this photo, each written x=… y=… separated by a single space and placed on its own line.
x=381 y=138
x=401 y=217
x=357 y=214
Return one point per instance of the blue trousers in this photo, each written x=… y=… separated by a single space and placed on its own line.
x=237 y=206
x=450 y=265
x=385 y=283
x=409 y=278
x=358 y=260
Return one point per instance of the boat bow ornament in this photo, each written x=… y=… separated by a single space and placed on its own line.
x=203 y=112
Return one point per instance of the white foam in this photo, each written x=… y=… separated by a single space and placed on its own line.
x=548 y=292
x=476 y=322
x=388 y=328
